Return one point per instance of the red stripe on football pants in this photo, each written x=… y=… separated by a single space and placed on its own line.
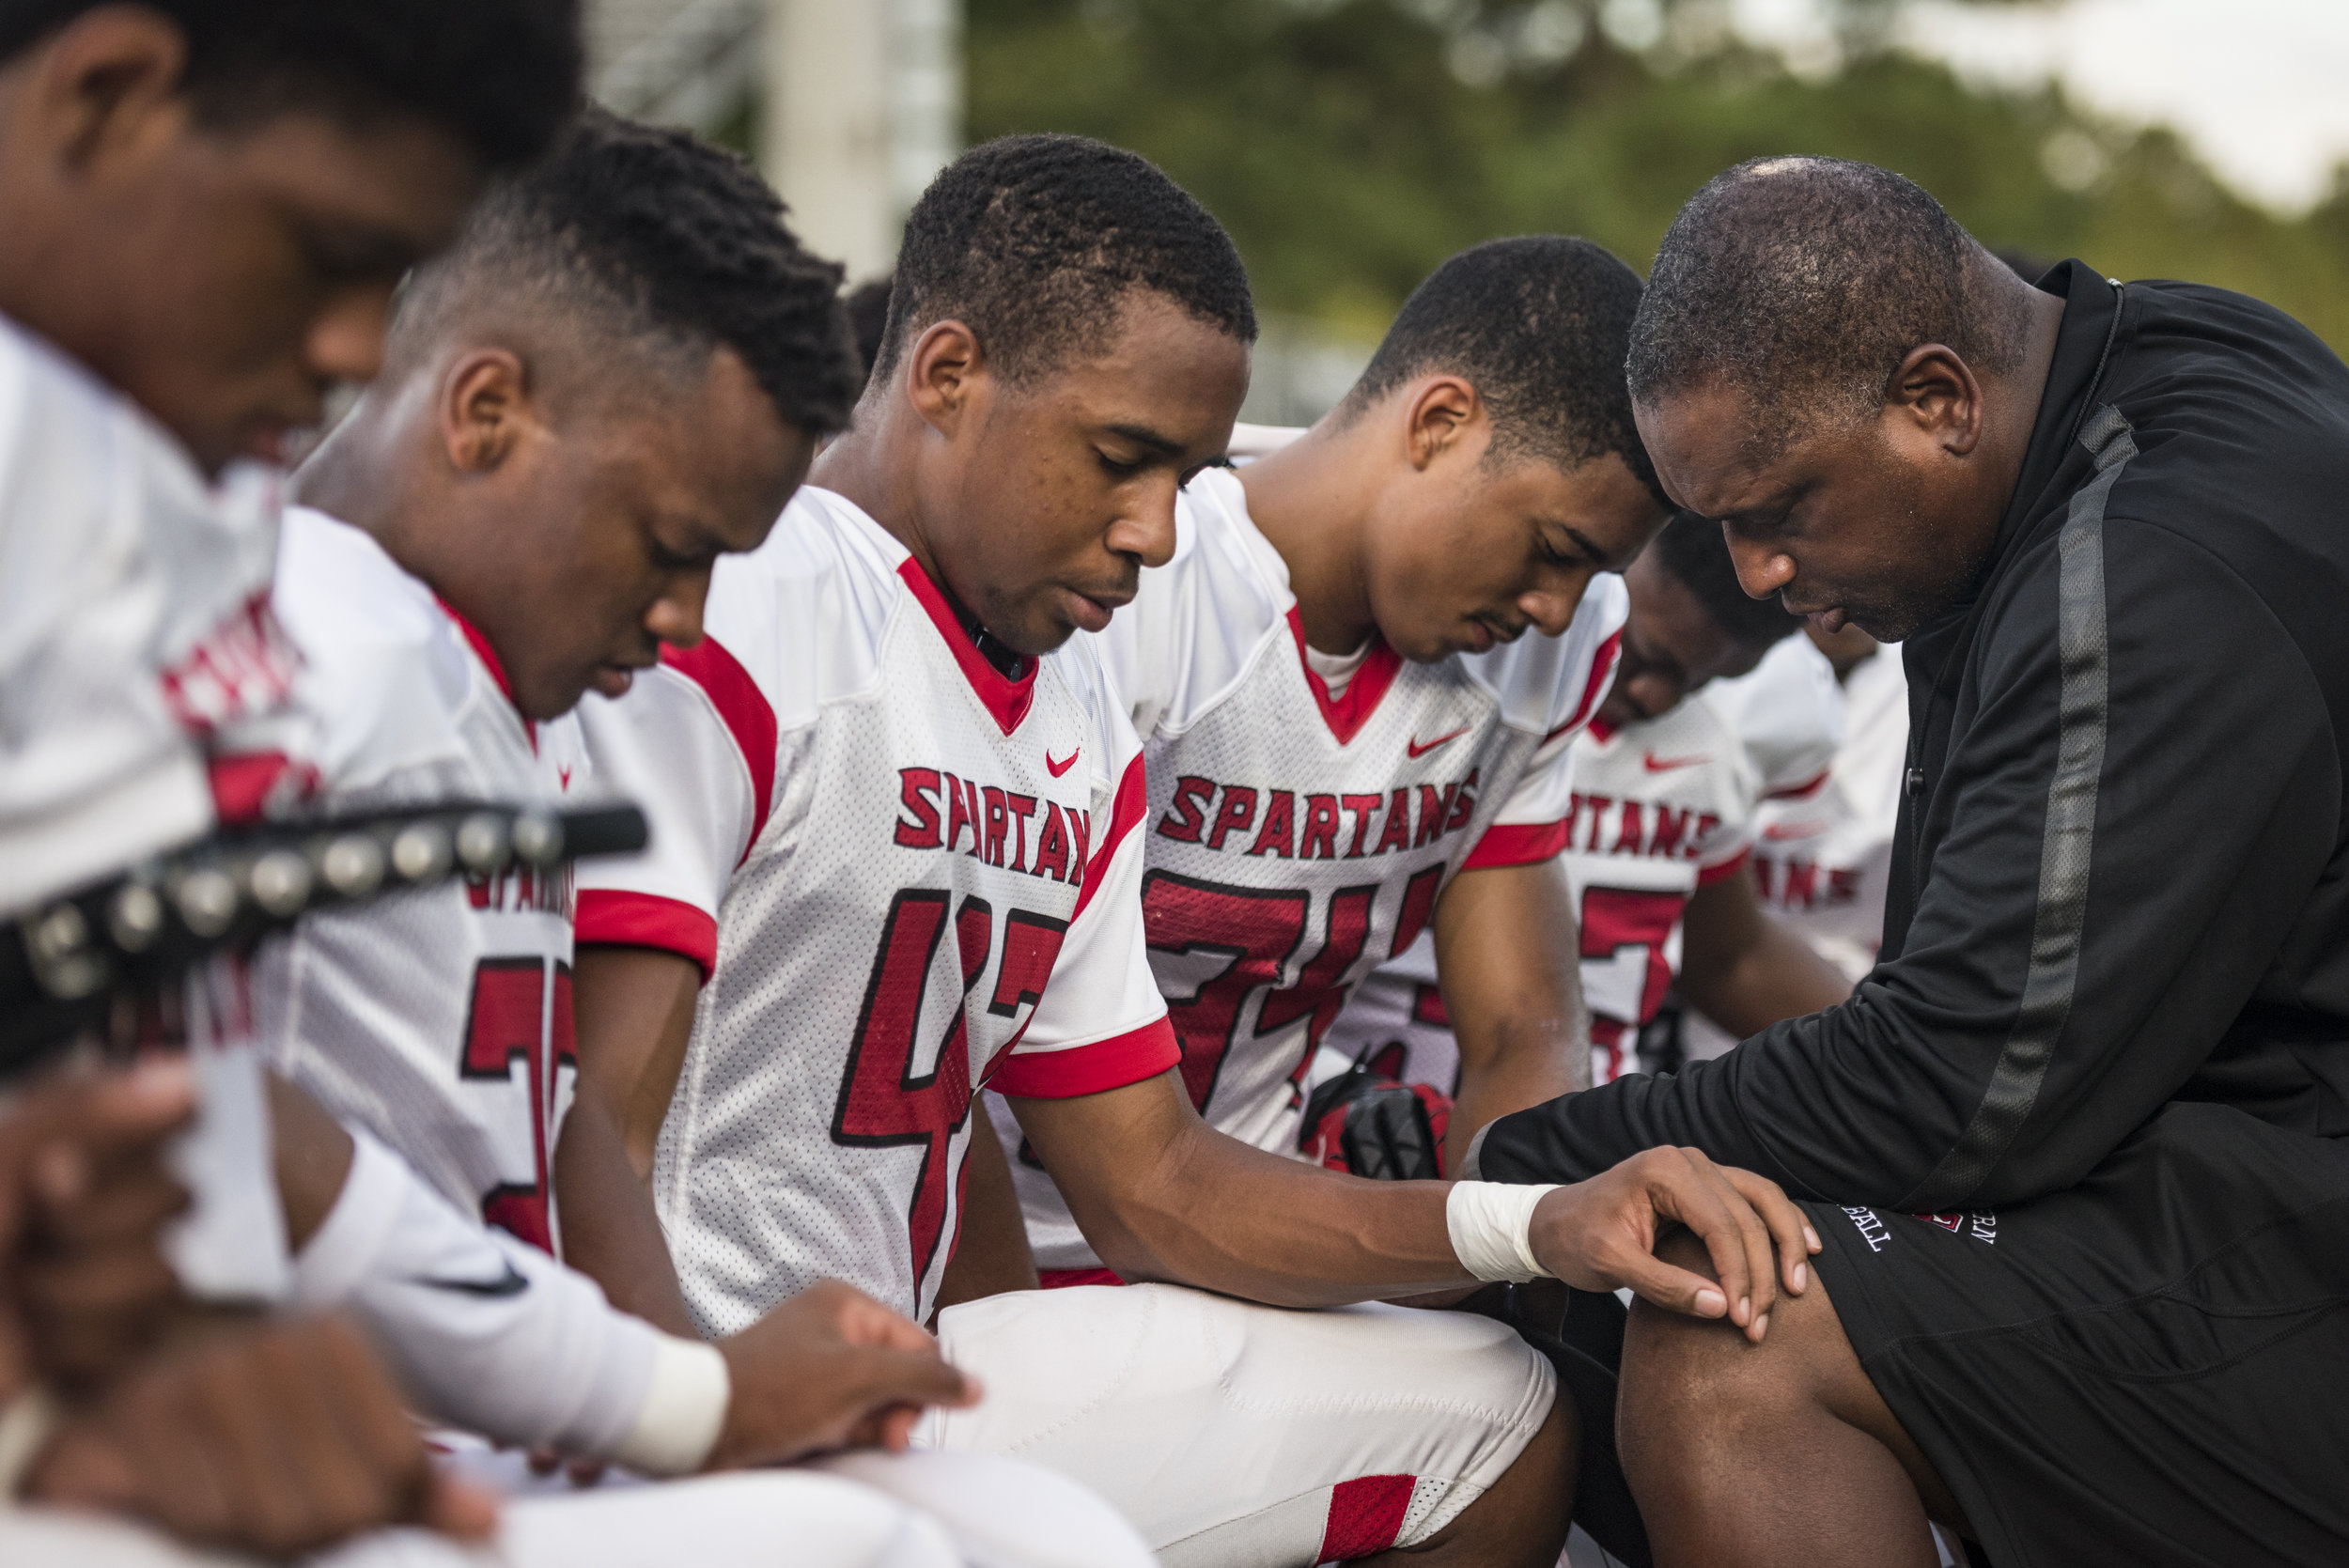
x=1365 y=1515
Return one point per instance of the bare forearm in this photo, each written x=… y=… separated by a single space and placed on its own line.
x=992 y=1254
x=1506 y=956
x=635 y=1015
x=1774 y=976
x=311 y=1157
x=610 y=1229
x=1531 y=1066
x=1216 y=1213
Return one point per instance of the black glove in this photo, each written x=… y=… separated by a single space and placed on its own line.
x=1376 y=1128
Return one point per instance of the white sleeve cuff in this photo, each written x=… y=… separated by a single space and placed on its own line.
x=684 y=1409
x=1491 y=1225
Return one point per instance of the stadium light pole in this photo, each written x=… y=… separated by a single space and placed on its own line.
x=863 y=106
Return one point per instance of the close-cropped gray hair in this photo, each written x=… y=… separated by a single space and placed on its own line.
x=1804 y=281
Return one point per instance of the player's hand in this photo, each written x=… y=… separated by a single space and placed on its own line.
x=83 y=1196
x=1601 y=1235
x=277 y=1438
x=832 y=1367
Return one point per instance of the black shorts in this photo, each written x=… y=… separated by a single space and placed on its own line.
x=2151 y=1368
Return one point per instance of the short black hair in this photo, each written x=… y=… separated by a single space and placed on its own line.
x=1539 y=325
x=869 y=316
x=1692 y=549
x=655 y=236
x=1803 y=283
x=500 y=74
x=1034 y=242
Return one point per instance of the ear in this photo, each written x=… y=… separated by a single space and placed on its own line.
x=110 y=81
x=1439 y=414
x=1934 y=394
x=485 y=409
x=944 y=371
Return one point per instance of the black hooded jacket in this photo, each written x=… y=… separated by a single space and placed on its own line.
x=2120 y=877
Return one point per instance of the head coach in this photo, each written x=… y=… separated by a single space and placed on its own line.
x=2076 y=1148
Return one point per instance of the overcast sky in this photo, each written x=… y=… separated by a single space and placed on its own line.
x=2260 y=87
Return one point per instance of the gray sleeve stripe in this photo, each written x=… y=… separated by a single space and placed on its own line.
x=2068 y=847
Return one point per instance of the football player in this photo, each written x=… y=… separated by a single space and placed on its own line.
x=618 y=373
x=207 y=208
x=1359 y=681
x=1660 y=828
x=898 y=816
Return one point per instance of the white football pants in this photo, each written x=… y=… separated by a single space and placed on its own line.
x=1240 y=1435
x=918 y=1511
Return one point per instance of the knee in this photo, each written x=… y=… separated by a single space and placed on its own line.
x=1690 y=1383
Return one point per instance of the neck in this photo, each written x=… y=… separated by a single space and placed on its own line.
x=1313 y=499
x=356 y=477
x=874 y=465
x=2012 y=411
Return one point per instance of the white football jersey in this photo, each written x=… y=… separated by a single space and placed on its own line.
x=143 y=698
x=440 y=1020
x=1821 y=861
x=1296 y=839
x=905 y=875
x=1661 y=808
x=143 y=680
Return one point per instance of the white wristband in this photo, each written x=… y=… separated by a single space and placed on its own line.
x=1491 y=1225
x=684 y=1409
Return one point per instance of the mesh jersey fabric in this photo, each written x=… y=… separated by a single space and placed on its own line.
x=1660 y=809
x=906 y=876
x=1295 y=840
x=439 y=1020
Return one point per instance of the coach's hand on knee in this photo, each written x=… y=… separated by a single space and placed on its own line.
x=276 y=1439
x=832 y=1367
x=1601 y=1235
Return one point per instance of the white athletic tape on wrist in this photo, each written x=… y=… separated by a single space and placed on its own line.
x=25 y=1426
x=684 y=1409
x=1492 y=1225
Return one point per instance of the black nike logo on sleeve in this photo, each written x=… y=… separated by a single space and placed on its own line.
x=514 y=1283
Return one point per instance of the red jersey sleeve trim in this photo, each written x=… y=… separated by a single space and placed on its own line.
x=746 y=713
x=1347 y=716
x=1133 y=799
x=1602 y=676
x=1513 y=844
x=619 y=918
x=1006 y=700
x=1094 y=1069
x=1707 y=876
x=1804 y=790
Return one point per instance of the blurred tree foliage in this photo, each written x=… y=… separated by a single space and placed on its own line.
x=1352 y=144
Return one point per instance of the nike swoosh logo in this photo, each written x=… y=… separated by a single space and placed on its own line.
x=1417 y=750
x=513 y=1284
x=1057 y=768
x=1665 y=765
x=1779 y=831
